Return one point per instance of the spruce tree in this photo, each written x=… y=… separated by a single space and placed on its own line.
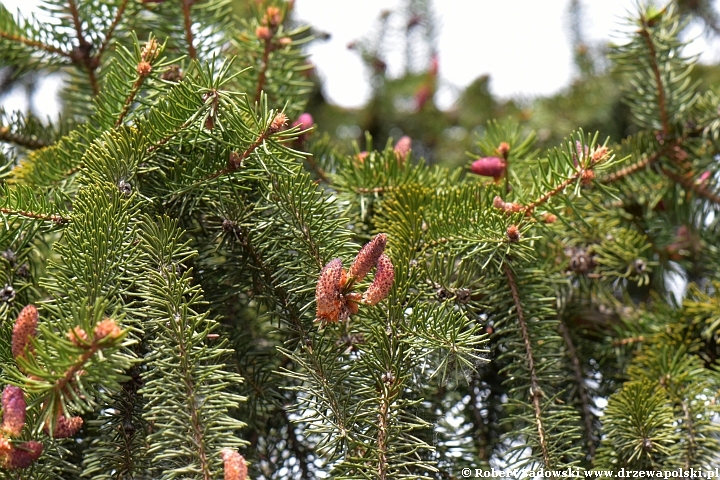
x=196 y=286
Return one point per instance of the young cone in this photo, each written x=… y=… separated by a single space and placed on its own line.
x=234 y=465
x=24 y=329
x=327 y=292
x=368 y=257
x=489 y=167
x=13 y=404
x=65 y=427
x=402 y=148
x=23 y=455
x=382 y=283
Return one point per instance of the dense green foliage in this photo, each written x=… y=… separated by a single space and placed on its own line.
x=171 y=227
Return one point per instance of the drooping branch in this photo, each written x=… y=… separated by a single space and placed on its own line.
x=690 y=184
x=535 y=392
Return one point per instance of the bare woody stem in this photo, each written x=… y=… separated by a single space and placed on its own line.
x=535 y=392
x=582 y=387
x=629 y=170
x=187 y=19
x=59 y=219
x=528 y=209
x=23 y=140
x=67 y=377
x=241 y=158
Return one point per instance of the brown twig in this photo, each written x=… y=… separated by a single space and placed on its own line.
x=186 y=4
x=528 y=209
x=111 y=29
x=24 y=141
x=582 y=387
x=630 y=169
x=691 y=185
x=59 y=219
x=658 y=79
x=130 y=98
x=263 y=68
x=535 y=392
x=32 y=43
x=383 y=421
x=82 y=55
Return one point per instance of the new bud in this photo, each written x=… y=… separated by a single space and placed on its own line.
x=107 y=328
x=13 y=404
x=234 y=465
x=263 y=33
x=368 y=257
x=382 y=283
x=513 y=233
x=489 y=167
x=25 y=328
x=503 y=149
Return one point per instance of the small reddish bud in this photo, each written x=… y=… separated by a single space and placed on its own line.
x=368 y=257
x=327 y=293
x=499 y=203
x=65 y=427
x=144 y=69
x=23 y=455
x=234 y=160
x=285 y=41
x=278 y=123
x=352 y=301
x=172 y=74
x=234 y=465
x=402 y=148
x=107 y=328
x=362 y=156
x=25 y=328
x=513 y=233
x=489 y=167
x=382 y=283
x=13 y=404
x=305 y=121
x=263 y=33
x=78 y=337
x=503 y=149
x=5 y=447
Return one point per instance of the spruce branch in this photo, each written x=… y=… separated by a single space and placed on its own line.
x=535 y=391
x=691 y=185
x=59 y=219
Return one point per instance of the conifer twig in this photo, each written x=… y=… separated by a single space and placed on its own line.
x=535 y=392
x=59 y=219
x=383 y=420
x=582 y=387
x=22 y=140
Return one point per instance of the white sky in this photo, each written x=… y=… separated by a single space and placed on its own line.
x=523 y=45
